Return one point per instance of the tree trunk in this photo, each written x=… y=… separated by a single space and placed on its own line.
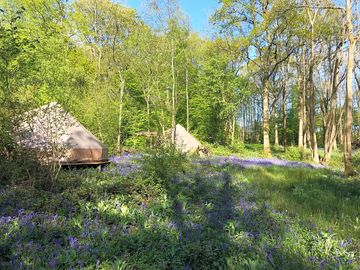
x=283 y=88
x=311 y=125
x=276 y=130
x=251 y=124
x=302 y=108
x=266 y=127
x=334 y=146
x=275 y=114
x=98 y=69
x=330 y=112
x=301 y=117
x=147 y=94
x=244 y=127
x=187 y=98
x=305 y=114
x=341 y=131
x=233 y=125
x=122 y=88
x=173 y=111
x=147 y=99
x=312 y=102
x=349 y=170
x=148 y=114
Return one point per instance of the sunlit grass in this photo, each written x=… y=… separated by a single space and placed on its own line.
x=315 y=196
x=179 y=214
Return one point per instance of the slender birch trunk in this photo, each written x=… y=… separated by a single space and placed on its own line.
x=173 y=112
x=311 y=100
x=300 y=115
x=122 y=89
x=312 y=113
x=302 y=97
x=244 y=127
x=330 y=115
x=147 y=99
x=276 y=129
x=233 y=129
x=187 y=99
x=266 y=119
x=349 y=170
x=283 y=88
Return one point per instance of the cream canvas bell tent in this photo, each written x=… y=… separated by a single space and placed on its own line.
x=50 y=129
x=186 y=142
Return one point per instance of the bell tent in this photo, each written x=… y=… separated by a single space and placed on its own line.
x=50 y=130
x=186 y=142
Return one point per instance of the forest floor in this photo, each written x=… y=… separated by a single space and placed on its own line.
x=166 y=211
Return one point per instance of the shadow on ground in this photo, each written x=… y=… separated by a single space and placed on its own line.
x=203 y=219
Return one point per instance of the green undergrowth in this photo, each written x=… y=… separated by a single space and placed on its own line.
x=256 y=150
x=175 y=214
x=319 y=198
x=293 y=153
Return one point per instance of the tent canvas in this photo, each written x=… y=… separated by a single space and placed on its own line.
x=51 y=128
x=184 y=141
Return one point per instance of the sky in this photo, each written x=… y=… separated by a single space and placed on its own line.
x=197 y=10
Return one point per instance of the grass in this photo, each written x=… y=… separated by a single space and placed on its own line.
x=256 y=150
x=316 y=197
x=173 y=214
x=293 y=154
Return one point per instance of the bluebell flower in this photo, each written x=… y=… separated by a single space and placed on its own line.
x=5 y=219
x=172 y=225
x=52 y=263
x=180 y=236
x=219 y=161
x=73 y=242
x=125 y=164
x=143 y=206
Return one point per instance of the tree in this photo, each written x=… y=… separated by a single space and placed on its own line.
x=265 y=25
x=349 y=170
x=106 y=29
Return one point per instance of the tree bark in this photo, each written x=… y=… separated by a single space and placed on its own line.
x=233 y=125
x=187 y=99
x=301 y=117
x=173 y=111
x=312 y=101
x=330 y=110
x=122 y=89
x=266 y=127
x=349 y=170
x=251 y=126
x=283 y=88
x=276 y=130
x=302 y=108
x=274 y=112
x=244 y=126
x=147 y=99
x=147 y=94
x=341 y=131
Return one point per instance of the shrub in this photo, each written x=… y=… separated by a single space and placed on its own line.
x=21 y=166
x=163 y=163
x=295 y=153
